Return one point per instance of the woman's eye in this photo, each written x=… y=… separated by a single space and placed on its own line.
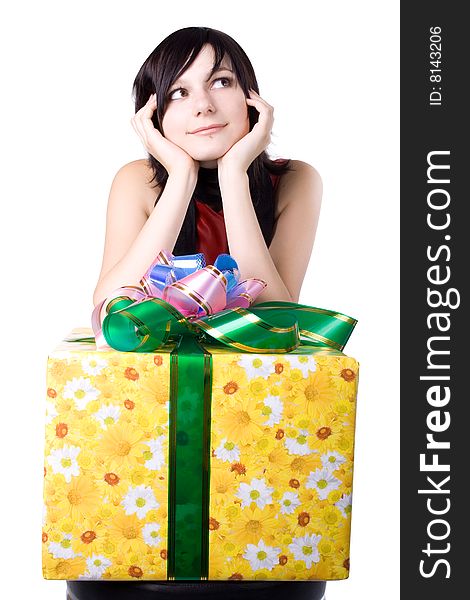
x=222 y=82
x=176 y=94
x=179 y=93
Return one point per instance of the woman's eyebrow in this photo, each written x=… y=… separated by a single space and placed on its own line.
x=181 y=80
x=217 y=70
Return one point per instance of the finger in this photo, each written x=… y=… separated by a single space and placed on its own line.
x=256 y=103
x=266 y=112
x=152 y=102
x=134 y=125
x=143 y=118
x=255 y=96
x=144 y=107
x=148 y=127
x=139 y=128
x=260 y=105
x=148 y=108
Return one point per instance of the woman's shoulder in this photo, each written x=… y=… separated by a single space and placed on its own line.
x=301 y=168
x=300 y=176
x=293 y=170
x=138 y=174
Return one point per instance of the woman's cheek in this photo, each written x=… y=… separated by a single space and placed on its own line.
x=244 y=127
x=244 y=119
x=171 y=130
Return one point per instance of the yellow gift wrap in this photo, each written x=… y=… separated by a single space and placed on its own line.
x=280 y=469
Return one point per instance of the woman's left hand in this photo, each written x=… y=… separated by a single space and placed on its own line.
x=243 y=153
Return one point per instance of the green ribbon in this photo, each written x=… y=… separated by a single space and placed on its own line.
x=189 y=451
x=268 y=327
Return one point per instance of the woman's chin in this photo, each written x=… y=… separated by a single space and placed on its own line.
x=207 y=157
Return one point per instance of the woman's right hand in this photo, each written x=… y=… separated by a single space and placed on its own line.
x=171 y=156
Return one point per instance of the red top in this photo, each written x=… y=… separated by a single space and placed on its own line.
x=211 y=236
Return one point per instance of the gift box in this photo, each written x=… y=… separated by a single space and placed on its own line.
x=197 y=461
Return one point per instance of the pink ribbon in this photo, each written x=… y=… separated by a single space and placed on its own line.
x=189 y=285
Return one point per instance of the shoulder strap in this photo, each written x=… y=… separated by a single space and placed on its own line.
x=275 y=180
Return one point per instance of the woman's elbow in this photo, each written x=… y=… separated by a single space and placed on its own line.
x=98 y=295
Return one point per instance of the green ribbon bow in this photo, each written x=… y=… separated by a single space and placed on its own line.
x=268 y=327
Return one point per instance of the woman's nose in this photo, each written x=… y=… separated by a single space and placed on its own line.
x=203 y=103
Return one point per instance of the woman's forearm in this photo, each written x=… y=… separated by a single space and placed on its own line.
x=160 y=232
x=245 y=238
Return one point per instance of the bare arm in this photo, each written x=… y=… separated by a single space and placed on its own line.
x=300 y=196
x=133 y=240
x=284 y=264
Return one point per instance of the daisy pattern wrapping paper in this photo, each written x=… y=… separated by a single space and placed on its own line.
x=278 y=469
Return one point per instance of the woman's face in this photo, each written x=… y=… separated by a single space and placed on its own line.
x=197 y=101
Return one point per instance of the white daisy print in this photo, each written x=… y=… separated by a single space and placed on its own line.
x=302 y=362
x=299 y=443
x=227 y=451
x=289 y=502
x=108 y=415
x=64 y=460
x=81 y=391
x=262 y=556
x=62 y=549
x=150 y=534
x=323 y=481
x=96 y=566
x=93 y=366
x=139 y=500
x=273 y=408
x=257 y=365
x=154 y=458
x=306 y=548
x=332 y=460
x=257 y=491
x=345 y=504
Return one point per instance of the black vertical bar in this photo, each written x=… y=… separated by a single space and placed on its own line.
x=434 y=287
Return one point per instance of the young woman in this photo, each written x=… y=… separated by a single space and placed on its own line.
x=208 y=186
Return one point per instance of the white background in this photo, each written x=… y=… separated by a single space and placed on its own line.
x=332 y=75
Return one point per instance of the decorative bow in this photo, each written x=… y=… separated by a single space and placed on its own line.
x=181 y=296
x=193 y=288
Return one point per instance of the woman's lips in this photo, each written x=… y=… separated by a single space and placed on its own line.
x=208 y=130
